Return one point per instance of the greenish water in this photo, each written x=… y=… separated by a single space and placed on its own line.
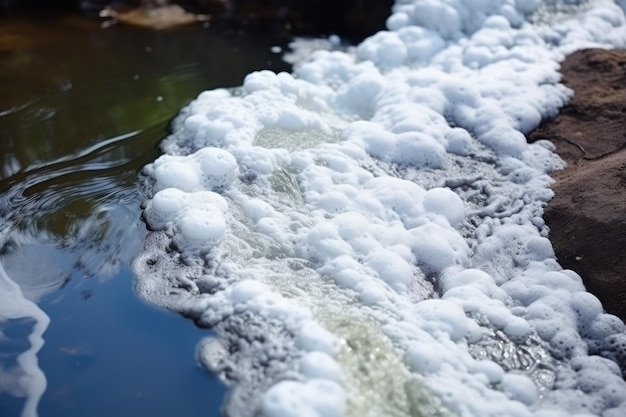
x=82 y=109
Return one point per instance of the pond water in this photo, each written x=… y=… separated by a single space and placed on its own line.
x=82 y=110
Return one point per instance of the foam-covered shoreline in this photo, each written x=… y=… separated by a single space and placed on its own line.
x=389 y=189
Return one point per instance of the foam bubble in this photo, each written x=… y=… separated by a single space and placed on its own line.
x=424 y=358
x=313 y=337
x=167 y=201
x=313 y=398
x=520 y=388
x=204 y=225
x=317 y=364
x=492 y=371
x=219 y=167
x=177 y=172
x=442 y=317
x=445 y=202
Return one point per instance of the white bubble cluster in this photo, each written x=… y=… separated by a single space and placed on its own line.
x=389 y=189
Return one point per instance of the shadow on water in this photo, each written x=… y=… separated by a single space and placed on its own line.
x=82 y=110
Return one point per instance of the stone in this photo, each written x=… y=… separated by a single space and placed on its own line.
x=587 y=217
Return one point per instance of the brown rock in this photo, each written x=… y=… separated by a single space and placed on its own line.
x=587 y=217
x=154 y=17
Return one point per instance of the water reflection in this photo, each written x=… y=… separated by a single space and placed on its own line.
x=82 y=206
x=82 y=110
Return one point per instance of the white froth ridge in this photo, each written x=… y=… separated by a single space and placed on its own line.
x=426 y=185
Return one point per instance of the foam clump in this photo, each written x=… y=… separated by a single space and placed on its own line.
x=312 y=337
x=414 y=149
x=318 y=364
x=194 y=218
x=313 y=398
x=210 y=169
x=519 y=388
x=446 y=203
x=389 y=187
x=442 y=317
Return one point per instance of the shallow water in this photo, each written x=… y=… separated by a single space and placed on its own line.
x=82 y=110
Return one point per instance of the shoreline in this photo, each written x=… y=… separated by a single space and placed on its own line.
x=586 y=216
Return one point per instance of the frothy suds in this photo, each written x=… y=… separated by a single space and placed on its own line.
x=365 y=235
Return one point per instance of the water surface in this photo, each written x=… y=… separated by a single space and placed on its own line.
x=82 y=110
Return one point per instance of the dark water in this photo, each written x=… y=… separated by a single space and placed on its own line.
x=82 y=109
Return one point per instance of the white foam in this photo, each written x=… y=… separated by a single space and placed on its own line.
x=313 y=398
x=319 y=365
x=388 y=187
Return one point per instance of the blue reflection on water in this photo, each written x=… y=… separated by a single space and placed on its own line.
x=130 y=359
